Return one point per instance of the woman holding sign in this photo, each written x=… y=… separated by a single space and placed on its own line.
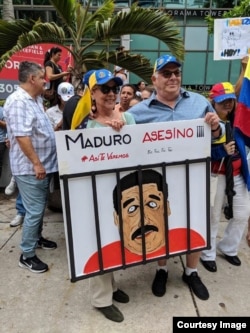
x=104 y=88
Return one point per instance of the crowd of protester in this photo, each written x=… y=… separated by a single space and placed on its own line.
x=34 y=169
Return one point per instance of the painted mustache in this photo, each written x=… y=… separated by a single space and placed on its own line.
x=147 y=228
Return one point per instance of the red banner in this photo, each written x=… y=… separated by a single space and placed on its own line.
x=35 y=53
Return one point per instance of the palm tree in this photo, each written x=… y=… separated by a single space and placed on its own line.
x=100 y=27
x=8 y=10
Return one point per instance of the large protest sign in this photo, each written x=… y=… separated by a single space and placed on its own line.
x=9 y=74
x=109 y=223
x=231 y=38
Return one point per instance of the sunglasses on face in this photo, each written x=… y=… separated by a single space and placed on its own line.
x=168 y=74
x=106 y=89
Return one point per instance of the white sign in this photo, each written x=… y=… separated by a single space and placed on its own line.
x=231 y=38
x=93 y=164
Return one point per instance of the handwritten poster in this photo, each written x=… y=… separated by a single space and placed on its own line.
x=231 y=38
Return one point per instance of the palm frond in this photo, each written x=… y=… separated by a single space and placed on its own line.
x=155 y=23
x=75 y=17
x=66 y=10
x=136 y=63
x=32 y=33
x=10 y=32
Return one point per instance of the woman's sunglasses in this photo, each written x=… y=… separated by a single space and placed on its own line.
x=106 y=89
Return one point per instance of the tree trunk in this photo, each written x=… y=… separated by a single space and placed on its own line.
x=8 y=10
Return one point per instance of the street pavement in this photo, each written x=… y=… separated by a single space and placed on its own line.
x=51 y=303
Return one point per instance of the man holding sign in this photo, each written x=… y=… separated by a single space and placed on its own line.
x=171 y=103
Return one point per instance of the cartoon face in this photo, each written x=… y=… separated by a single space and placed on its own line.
x=230 y=36
x=153 y=205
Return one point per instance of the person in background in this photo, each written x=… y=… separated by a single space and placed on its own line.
x=53 y=71
x=140 y=86
x=18 y=219
x=11 y=187
x=172 y=103
x=32 y=158
x=65 y=91
x=121 y=73
x=147 y=92
x=223 y=100
x=127 y=93
x=3 y=135
x=134 y=101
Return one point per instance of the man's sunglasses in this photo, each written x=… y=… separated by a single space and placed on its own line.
x=106 y=89
x=168 y=74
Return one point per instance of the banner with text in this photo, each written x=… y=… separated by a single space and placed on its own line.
x=102 y=206
x=36 y=53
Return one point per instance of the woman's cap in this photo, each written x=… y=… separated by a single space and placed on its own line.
x=65 y=90
x=86 y=76
x=103 y=76
x=165 y=60
x=222 y=91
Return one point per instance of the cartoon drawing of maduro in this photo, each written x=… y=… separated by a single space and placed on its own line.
x=153 y=210
x=143 y=207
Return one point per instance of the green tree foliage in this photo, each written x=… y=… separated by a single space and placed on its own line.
x=243 y=10
x=103 y=25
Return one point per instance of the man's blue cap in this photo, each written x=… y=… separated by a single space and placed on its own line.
x=165 y=60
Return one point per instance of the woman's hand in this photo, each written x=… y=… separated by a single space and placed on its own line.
x=70 y=69
x=115 y=124
x=230 y=147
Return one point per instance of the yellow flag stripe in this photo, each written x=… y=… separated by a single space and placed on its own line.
x=82 y=109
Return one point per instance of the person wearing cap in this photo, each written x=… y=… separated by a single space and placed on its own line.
x=171 y=103
x=33 y=159
x=65 y=91
x=104 y=88
x=100 y=93
x=227 y=150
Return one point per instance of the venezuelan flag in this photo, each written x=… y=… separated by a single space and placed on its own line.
x=242 y=116
x=82 y=110
x=242 y=123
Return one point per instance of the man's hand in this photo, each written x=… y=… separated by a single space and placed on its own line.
x=213 y=120
x=39 y=171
